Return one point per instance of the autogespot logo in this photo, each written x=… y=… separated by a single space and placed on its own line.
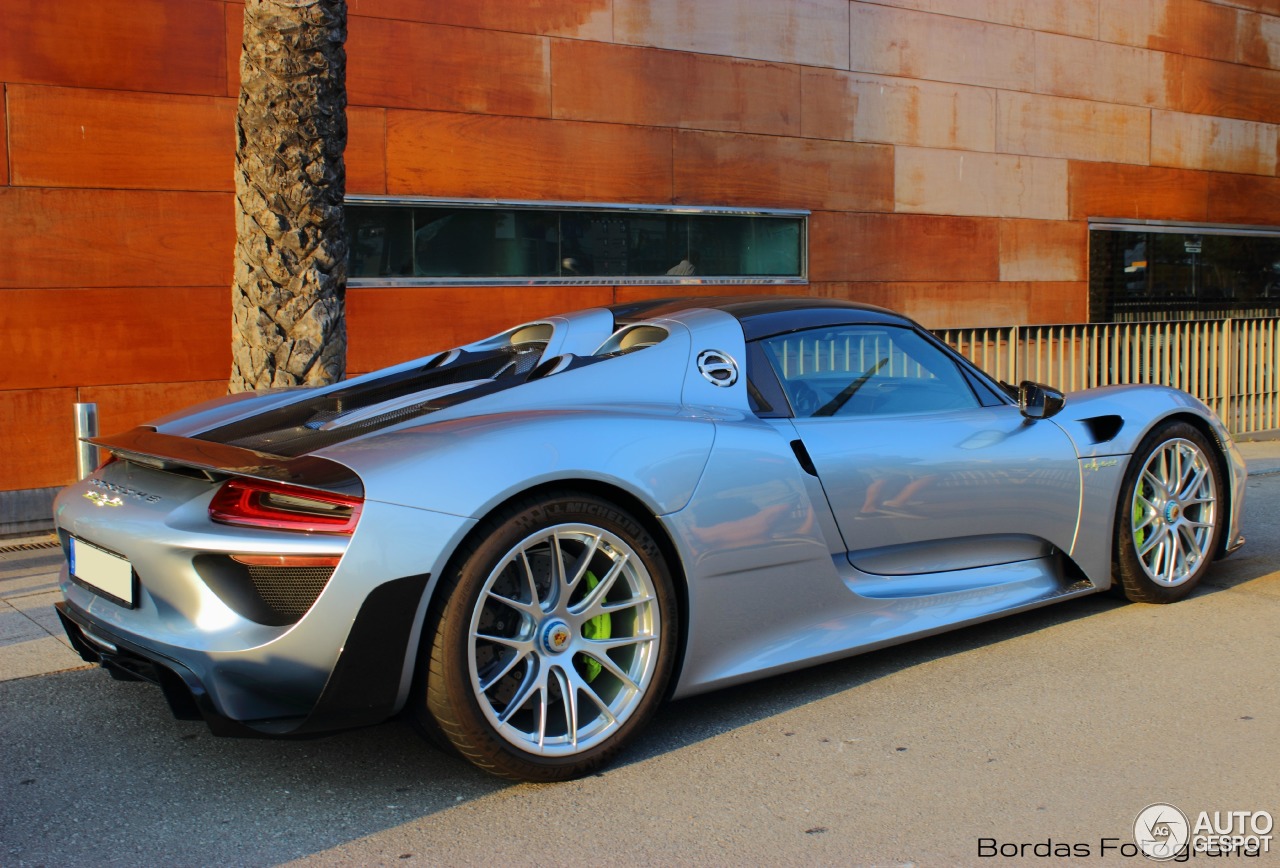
x=1161 y=831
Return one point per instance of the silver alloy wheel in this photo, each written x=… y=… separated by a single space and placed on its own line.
x=1174 y=512
x=562 y=644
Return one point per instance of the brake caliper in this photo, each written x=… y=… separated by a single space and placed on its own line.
x=600 y=628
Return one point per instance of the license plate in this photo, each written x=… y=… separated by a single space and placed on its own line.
x=104 y=572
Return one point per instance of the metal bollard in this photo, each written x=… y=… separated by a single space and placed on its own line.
x=86 y=426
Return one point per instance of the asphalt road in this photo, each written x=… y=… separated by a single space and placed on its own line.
x=1057 y=726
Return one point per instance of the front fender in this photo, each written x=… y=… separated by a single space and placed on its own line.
x=1107 y=424
x=1112 y=420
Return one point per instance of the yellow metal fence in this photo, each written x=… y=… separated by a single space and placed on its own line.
x=1230 y=364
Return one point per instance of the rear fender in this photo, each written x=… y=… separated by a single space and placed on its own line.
x=466 y=467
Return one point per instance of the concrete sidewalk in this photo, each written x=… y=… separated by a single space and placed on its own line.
x=1262 y=456
x=31 y=637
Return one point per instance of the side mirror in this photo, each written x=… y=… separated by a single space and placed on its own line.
x=1037 y=401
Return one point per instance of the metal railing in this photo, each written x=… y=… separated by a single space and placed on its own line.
x=1230 y=364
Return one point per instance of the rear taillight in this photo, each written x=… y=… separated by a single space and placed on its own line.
x=257 y=503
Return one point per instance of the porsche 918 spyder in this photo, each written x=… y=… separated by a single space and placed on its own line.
x=529 y=542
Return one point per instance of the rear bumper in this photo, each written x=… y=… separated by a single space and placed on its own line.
x=362 y=688
x=183 y=690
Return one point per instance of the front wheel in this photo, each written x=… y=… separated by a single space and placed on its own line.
x=1170 y=515
x=556 y=640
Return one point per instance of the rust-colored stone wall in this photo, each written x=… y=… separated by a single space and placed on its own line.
x=951 y=151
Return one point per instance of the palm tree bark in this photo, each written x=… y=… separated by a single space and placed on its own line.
x=288 y=294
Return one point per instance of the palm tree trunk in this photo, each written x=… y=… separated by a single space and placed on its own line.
x=288 y=293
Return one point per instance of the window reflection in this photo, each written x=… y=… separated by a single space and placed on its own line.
x=1156 y=275
x=452 y=241
x=865 y=371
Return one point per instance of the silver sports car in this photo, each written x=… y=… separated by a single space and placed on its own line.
x=529 y=542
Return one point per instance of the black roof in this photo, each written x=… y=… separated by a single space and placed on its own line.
x=763 y=315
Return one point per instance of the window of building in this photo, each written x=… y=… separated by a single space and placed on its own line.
x=1156 y=272
x=435 y=241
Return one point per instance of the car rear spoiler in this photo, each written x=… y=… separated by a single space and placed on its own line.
x=147 y=446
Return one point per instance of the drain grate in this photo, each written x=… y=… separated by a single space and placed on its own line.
x=51 y=543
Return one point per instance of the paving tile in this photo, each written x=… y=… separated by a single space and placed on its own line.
x=39 y=608
x=41 y=656
x=1261 y=456
x=29 y=572
x=15 y=627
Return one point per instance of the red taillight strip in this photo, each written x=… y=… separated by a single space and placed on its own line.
x=248 y=502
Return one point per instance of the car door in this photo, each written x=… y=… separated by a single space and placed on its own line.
x=924 y=468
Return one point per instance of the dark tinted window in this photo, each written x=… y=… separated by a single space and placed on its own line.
x=1178 y=275
x=474 y=241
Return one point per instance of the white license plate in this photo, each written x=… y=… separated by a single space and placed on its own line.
x=107 y=573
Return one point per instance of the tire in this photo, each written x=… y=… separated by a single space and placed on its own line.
x=555 y=639
x=1170 y=515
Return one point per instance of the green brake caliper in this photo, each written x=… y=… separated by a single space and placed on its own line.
x=1140 y=533
x=600 y=627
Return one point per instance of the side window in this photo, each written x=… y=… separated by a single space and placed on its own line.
x=865 y=370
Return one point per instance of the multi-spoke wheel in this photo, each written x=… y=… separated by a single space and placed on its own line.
x=555 y=641
x=1170 y=515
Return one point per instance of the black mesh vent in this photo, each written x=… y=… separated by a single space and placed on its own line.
x=289 y=591
x=271 y=595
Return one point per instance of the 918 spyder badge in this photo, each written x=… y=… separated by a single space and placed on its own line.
x=105 y=500
x=102 y=499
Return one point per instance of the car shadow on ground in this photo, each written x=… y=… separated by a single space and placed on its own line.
x=194 y=798
x=686 y=721
x=94 y=765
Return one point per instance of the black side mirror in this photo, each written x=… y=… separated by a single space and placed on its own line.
x=1037 y=401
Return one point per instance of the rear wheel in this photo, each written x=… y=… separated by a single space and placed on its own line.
x=1170 y=515
x=556 y=639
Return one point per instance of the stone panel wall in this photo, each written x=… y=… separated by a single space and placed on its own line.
x=951 y=151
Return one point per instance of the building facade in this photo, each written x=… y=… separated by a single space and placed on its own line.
x=971 y=162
